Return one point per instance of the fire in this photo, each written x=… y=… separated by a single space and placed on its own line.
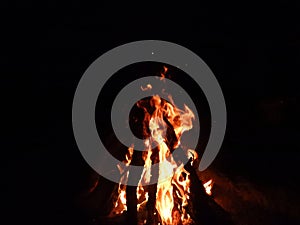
x=120 y=204
x=148 y=87
x=172 y=190
x=163 y=73
x=208 y=186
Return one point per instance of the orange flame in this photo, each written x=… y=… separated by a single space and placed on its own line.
x=120 y=204
x=148 y=87
x=208 y=186
x=163 y=73
x=173 y=191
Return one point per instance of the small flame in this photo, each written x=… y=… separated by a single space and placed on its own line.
x=163 y=73
x=120 y=204
x=208 y=186
x=148 y=87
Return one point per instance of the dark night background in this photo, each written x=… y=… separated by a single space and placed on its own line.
x=255 y=56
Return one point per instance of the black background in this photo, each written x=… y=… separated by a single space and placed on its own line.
x=44 y=52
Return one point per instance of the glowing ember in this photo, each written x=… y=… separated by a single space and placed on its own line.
x=172 y=192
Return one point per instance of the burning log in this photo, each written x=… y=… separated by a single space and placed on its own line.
x=205 y=209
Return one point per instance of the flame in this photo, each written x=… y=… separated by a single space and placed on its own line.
x=173 y=184
x=163 y=73
x=208 y=186
x=120 y=204
x=148 y=87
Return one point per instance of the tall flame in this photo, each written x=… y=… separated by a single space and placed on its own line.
x=172 y=193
